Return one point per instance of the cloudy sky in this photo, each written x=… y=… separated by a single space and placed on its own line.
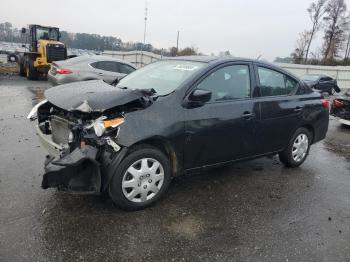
x=247 y=28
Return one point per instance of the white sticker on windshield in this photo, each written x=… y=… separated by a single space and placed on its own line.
x=185 y=67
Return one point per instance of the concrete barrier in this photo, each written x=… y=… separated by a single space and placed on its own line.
x=137 y=58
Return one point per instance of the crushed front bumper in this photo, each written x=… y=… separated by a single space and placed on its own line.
x=77 y=172
x=85 y=170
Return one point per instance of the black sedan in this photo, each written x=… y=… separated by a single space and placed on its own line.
x=173 y=117
x=323 y=83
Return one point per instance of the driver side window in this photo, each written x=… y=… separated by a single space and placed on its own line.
x=228 y=83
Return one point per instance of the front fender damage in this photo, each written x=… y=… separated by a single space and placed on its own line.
x=77 y=172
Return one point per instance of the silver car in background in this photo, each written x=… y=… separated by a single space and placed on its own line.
x=84 y=68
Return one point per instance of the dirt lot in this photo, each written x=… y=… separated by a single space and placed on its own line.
x=254 y=211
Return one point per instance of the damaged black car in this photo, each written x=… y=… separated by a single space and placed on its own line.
x=341 y=108
x=171 y=117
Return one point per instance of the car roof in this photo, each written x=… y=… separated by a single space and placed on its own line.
x=217 y=59
x=319 y=75
x=224 y=59
x=96 y=58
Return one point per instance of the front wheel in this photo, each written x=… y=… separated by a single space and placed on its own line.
x=141 y=179
x=298 y=148
x=31 y=72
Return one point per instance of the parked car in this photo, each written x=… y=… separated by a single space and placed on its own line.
x=323 y=83
x=172 y=117
x=84 y=68
x=341 y=108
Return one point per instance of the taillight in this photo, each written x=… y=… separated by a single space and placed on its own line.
x=337 y=103
x=325 y=103
x=63 y=71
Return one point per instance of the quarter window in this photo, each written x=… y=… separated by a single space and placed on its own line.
x=325 y=79
x=126 y=69
x=228 y=83
x=273 y=83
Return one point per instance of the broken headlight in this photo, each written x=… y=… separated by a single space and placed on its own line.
x=101 y=124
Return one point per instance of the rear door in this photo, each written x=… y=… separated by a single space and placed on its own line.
x=280 y=107
x=224 y=128
x=107 y=70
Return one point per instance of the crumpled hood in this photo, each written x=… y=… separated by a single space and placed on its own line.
x=90 y=96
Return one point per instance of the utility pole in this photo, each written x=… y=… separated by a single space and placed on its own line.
x=145 y=29
x=144 y=32
x=177 y=42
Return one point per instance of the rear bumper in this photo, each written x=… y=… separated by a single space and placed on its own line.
x=344 y=121
x=57 y=79
x=52 y=80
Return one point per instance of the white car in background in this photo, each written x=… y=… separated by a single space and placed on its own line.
x=83 y=68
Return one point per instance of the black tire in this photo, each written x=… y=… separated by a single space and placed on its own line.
x=286 y=156
x=22 y=70
x=331 y=92
x=115 y=187
x=31 y=72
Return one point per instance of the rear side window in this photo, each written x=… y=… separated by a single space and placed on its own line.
x=228 y=83
x=325 y=79
x=273 y=83
x=106 y=66
x=126 y=69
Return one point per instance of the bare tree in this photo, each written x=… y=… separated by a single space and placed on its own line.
x=316 y=11
x=301 y=46
x=336 y=22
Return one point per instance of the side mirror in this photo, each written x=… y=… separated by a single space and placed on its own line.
x=23 y=30
x=198 y=98
x=24 y=46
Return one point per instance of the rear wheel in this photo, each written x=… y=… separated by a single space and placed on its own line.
x=31 y=72
x=141 y=179
x=298 y=148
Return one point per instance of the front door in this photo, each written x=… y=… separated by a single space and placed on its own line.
x=224 y=128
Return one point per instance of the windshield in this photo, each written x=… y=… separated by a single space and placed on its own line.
x=163 y=76
x=46 y=33
x=310 y=77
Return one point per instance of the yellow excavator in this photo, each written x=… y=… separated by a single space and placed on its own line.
x=44 y=47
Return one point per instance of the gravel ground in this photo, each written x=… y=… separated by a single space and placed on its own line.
x=252 y=211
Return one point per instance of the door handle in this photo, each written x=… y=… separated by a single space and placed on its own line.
x=248 y=115
x=298 y=109
x=100 y=74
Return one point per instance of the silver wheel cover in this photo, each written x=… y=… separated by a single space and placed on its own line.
x=143 y=180
x=300 y=147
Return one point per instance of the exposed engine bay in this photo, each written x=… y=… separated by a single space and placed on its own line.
x=81 y=136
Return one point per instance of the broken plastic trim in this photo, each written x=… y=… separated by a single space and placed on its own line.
x=77 y=172
x=33 y=113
